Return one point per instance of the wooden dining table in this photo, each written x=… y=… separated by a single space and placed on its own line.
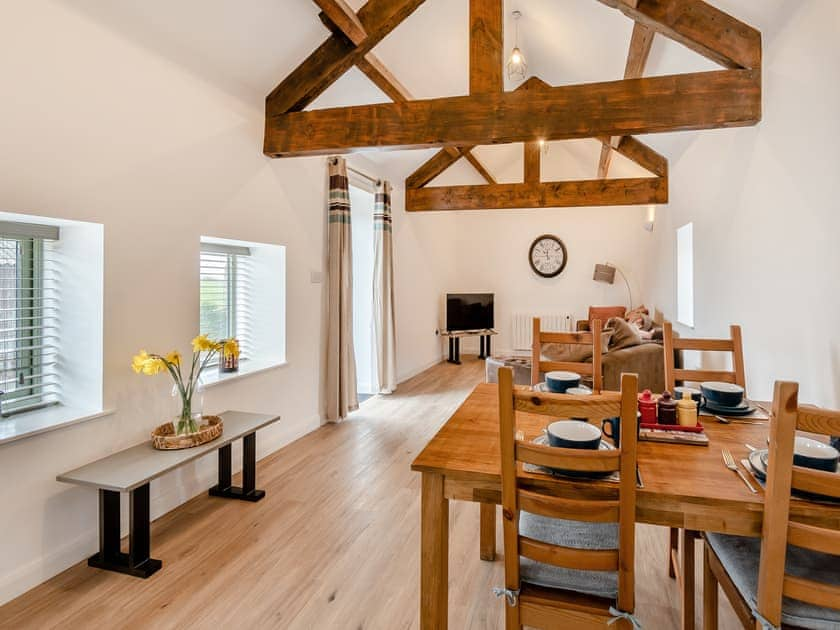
x=684 y=486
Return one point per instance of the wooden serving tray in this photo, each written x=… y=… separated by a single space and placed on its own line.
x=164 y=438
x=673 y=427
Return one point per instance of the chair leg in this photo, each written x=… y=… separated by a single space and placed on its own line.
x=687 y=578
x=512 y=618
x=710 y=594
x=672 y=551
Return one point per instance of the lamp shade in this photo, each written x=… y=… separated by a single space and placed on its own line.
x=604 y=273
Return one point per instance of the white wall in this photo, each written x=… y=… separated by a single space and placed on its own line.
x=492 y=250
x=764 y=202
x=96 y=127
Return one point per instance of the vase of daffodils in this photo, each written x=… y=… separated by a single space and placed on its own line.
x=187 y=385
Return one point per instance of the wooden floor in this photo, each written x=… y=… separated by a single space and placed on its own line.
x=335 y=543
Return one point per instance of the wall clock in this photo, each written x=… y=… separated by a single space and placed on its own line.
x=547 y=256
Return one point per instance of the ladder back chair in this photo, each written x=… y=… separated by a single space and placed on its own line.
x=549 y=584
x=732 y=345
x=673 y=376
x=589 y=338
x=790 y=577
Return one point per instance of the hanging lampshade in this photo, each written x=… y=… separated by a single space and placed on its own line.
x=516 y=67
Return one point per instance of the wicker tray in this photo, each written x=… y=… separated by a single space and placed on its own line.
x=164 y=438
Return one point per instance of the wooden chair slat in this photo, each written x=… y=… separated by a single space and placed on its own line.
x=557 y=507
x=815 y=481
x=815 y=420
x=605 y=405
x=568 y=557
x=811 y=592
x=814 y=538
x=580 y=338
x=584 y=369
x=568 y=458
x=708 y=345
x=699 y=376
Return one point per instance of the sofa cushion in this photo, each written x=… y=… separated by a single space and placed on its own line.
x=574 y=352
x=624 y=334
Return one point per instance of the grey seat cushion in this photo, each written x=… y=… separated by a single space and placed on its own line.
x=569 y=534
x=740 y=557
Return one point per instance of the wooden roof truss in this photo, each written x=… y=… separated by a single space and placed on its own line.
x=611 y=113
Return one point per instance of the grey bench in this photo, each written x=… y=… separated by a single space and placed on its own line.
x=132 y=469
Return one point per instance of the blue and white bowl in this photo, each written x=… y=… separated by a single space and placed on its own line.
x=559 y=382
x=570 y=434
x=813 y=454
x=722 y=394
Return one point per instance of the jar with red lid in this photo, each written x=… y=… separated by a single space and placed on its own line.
x=647 y=407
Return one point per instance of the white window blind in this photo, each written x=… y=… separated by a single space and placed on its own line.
x=29 y=318
x=226 y=282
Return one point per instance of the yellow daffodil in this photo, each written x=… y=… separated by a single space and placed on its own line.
x=139 y=361
x=202 y=343
x=147 y=364
x=174 y=357
x=230 y=347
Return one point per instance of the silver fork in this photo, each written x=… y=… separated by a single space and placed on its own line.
x=729 y=462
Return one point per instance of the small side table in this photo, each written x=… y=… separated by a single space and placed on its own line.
x=454 y=336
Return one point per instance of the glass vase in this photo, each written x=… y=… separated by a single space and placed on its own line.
x=190 y=409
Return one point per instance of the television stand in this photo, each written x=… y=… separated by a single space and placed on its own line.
x=455 y=342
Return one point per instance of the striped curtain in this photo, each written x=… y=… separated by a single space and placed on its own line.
x=383 y=290
x=340 y=365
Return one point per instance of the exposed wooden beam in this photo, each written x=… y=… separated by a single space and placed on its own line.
x=703 y=100
x=336 y=55
x=486 y=40
x=643 y=155
x=442 y=160
x=637 y=56
x=345 y=18
x=699 y=26
x=433 y=167
x=383 y=78
x=477 y=165
x=533 y=152
x=595 y=192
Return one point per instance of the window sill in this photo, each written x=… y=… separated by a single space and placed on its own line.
x=213 y=377
x=43 y=420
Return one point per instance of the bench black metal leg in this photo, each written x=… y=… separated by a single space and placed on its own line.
x=248 y=491
x=137 y=561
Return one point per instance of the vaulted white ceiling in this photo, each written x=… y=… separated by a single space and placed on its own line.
x=246 y=48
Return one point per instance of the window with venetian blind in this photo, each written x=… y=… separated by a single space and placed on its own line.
x=226 y=283
x=29 y=318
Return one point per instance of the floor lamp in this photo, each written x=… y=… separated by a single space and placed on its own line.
x=606 y=273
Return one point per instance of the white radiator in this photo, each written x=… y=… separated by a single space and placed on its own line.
x=523 y=327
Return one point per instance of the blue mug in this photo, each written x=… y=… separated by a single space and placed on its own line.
x=615 y=428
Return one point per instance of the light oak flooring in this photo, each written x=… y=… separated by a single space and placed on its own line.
x=335 y=543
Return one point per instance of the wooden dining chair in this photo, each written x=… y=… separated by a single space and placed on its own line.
x=733 y=345
x=575 y=573
x=590 y=338
x=673 y=377
x=790 y=577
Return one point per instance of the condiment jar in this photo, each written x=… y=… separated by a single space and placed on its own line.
x=647 y=407
x=667 y=409
x=687 y=411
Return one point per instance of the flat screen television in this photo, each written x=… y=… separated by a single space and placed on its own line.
x=469 y=311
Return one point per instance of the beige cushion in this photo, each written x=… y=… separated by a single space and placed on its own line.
x=624 y=334
x=574 y=352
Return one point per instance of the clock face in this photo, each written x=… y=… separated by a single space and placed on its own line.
x=547 y=256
